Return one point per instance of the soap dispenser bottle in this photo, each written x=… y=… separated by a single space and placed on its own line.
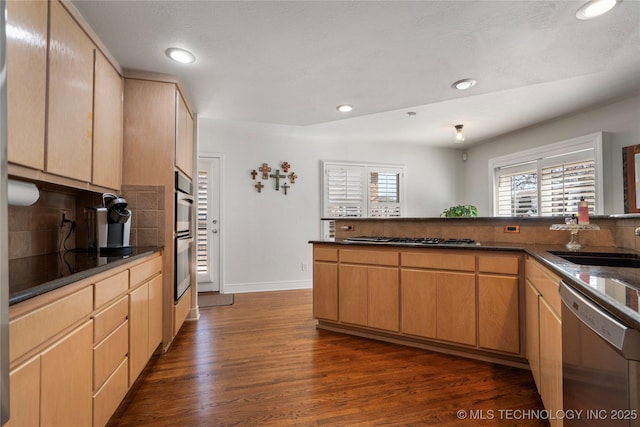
x=583 y=211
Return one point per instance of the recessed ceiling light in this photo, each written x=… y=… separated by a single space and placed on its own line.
x=180 y=55
x=344 y=108
x=464 y=84
x=595 y=8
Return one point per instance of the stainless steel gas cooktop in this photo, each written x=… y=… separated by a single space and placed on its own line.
x=411 y=241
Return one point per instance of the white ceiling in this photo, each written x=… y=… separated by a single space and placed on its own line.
x=291 y=63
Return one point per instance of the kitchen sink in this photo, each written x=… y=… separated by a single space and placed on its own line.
x=605 y=259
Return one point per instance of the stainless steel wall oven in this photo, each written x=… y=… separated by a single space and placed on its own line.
x=184 y=206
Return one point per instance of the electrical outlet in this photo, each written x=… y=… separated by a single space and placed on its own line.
x=304 y=266
x=512 y=229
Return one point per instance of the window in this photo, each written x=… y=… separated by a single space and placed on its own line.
x=549 y=180
x=360 y=191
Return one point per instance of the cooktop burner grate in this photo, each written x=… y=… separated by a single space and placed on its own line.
x=409 y=240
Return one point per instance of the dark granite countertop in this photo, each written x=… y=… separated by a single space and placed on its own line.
x=35 y=275
x=615 y=289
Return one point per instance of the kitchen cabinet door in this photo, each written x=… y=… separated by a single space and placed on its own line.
x=498 y=314
x=419 y=290
x=532 y=302
x=138 y=331
x=107 y=126
x=70 y=112
x=352 y=294
x=184 y=141
x=383 y=298
x=24 y=383
x=551 y=361
x=155 y=313
x=325 y=290
x=66 y=380
x=456 y=307
x=26 y=82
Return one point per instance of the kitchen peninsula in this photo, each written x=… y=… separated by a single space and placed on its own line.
x=485 y=288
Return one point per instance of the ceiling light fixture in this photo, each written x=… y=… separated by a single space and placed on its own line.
x=344 y=108
x=464 y=84
x=459 y=134
x=180 y=55
x=595 y=8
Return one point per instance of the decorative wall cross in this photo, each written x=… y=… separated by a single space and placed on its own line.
x=292 y=177
x=265 y=169
x=259 y=186
x=285 y=187
x=254 y=173
x=277 y=177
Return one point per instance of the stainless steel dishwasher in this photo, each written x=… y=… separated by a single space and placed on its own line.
x=600 y=368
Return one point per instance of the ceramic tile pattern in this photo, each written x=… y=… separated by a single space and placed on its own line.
x=35 y=230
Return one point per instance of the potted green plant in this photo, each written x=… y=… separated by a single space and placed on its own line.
x=460 y=211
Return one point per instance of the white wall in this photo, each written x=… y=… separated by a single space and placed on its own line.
x=619 y=119
x=265 y=235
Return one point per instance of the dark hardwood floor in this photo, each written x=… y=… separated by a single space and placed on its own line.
x=262 y=362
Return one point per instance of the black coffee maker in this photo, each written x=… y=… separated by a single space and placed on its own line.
x=109 y=226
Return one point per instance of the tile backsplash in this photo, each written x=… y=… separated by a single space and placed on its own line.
x=35 y=230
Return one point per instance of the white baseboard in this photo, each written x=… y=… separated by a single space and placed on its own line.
x=238 y=288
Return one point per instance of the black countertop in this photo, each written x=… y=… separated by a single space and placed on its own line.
x=35 y=275
x=615 y=289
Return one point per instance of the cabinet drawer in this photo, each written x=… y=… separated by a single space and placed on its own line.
x=107 y=399
x=325 y=254
x=109 y=354
x=369 y=257
x=142 y=272
x=439 y=261
x=34 y=328
x=109 y=288
x=105 y=321
x=545 y=282
x=498 y=264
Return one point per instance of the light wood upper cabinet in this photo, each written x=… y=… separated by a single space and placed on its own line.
x=184 y=139
x=107 y=127
x=27 y=78
x=70 y=112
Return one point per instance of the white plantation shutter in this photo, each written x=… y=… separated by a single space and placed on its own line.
x=562 y=185
x=384 y=192
x=201 y=235
x=550 y=180
x=359 y=191
x=517 y=191
x=344 y=192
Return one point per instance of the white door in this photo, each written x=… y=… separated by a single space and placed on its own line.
x=208 y=233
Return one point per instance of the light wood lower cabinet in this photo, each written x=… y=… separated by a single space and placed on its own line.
x=456 y=306
x=24 y=382
x=138 y=331
x=69 y=349
x=498 y=314
x=66 y=380
x=446 y=297
x=544 y=335
x=419 y=302
x=325 y=290
x=369 y=296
